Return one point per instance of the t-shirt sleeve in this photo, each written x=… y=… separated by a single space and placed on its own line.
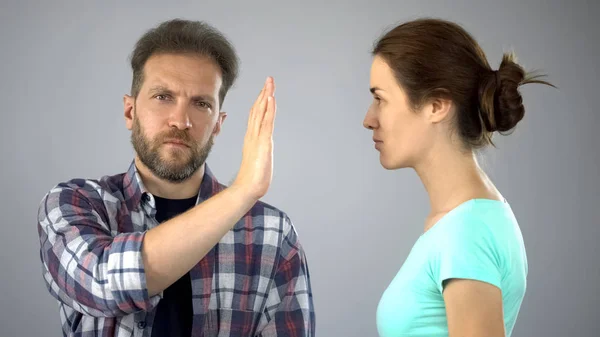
x=468 y=251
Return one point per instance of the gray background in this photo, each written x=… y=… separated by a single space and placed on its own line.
x=64 y=71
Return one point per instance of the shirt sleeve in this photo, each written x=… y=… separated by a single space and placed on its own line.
x=84 y=265
x=289 y=309
x=469 y=251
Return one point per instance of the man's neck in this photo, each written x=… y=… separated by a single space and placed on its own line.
x=167 y=189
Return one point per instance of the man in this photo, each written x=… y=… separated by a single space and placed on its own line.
x=164 y=249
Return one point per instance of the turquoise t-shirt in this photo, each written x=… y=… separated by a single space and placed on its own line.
x=481 y=240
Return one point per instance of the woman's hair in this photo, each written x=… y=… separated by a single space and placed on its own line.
x=433 y=58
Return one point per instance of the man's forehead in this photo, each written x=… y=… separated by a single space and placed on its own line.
x=181 y=72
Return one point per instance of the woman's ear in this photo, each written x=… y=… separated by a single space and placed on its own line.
x=439 y=109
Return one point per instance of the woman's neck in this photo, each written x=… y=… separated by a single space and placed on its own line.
x=452 y=177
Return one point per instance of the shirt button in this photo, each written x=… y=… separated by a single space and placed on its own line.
x=141 y=324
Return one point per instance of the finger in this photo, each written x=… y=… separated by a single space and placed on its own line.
x=270 y=85
x=260 y=97
x=262 y=107
x=270 y=106
x=268 y=122
x=263 y=91
x=273 y=81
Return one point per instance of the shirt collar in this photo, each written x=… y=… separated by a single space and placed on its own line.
x=134 y=190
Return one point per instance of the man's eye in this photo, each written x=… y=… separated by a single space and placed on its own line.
x=161 y=97
x=203 y=105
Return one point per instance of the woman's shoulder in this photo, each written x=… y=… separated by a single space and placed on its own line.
x=477 y=219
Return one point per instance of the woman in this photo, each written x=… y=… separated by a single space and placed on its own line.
x=436 y=101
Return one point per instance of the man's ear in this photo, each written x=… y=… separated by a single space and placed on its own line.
x=220 y=121
x=128 y=110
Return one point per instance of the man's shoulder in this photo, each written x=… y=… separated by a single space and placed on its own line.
x=107 y=186
x=263 y=208
x=81 y=196
x=268 y=217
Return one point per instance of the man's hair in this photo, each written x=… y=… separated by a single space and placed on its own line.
x=185 y=37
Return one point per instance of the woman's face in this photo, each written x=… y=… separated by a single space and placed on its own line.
x=401 y=135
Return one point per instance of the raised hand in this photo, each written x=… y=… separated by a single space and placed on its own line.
x=256 y=169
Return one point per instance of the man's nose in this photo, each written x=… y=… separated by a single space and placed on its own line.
x=180 y=118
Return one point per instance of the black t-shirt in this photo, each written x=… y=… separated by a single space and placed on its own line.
x=174 y=311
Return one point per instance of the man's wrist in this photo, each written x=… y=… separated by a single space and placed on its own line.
x=242 y=193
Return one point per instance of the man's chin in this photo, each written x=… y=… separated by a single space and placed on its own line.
x=175 y=165
x=175 y=155
x=174 y=173
x=172 y=150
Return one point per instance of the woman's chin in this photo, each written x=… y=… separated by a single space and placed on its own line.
x=390 y=164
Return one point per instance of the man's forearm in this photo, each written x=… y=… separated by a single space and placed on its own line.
x=171 y=249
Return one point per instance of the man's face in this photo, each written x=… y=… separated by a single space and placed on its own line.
x=175 y=116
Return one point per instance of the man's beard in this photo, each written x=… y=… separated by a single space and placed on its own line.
x=184 y=162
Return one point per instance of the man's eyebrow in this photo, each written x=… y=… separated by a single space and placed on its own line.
x=160 y=88
x=164 y=89
x=208 y=98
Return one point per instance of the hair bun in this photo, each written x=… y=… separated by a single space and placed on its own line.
x=501 y=104
x=508 y=108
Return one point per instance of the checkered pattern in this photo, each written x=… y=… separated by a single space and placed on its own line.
x=254 y=282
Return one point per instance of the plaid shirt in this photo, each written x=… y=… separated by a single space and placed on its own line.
x=254 y=282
